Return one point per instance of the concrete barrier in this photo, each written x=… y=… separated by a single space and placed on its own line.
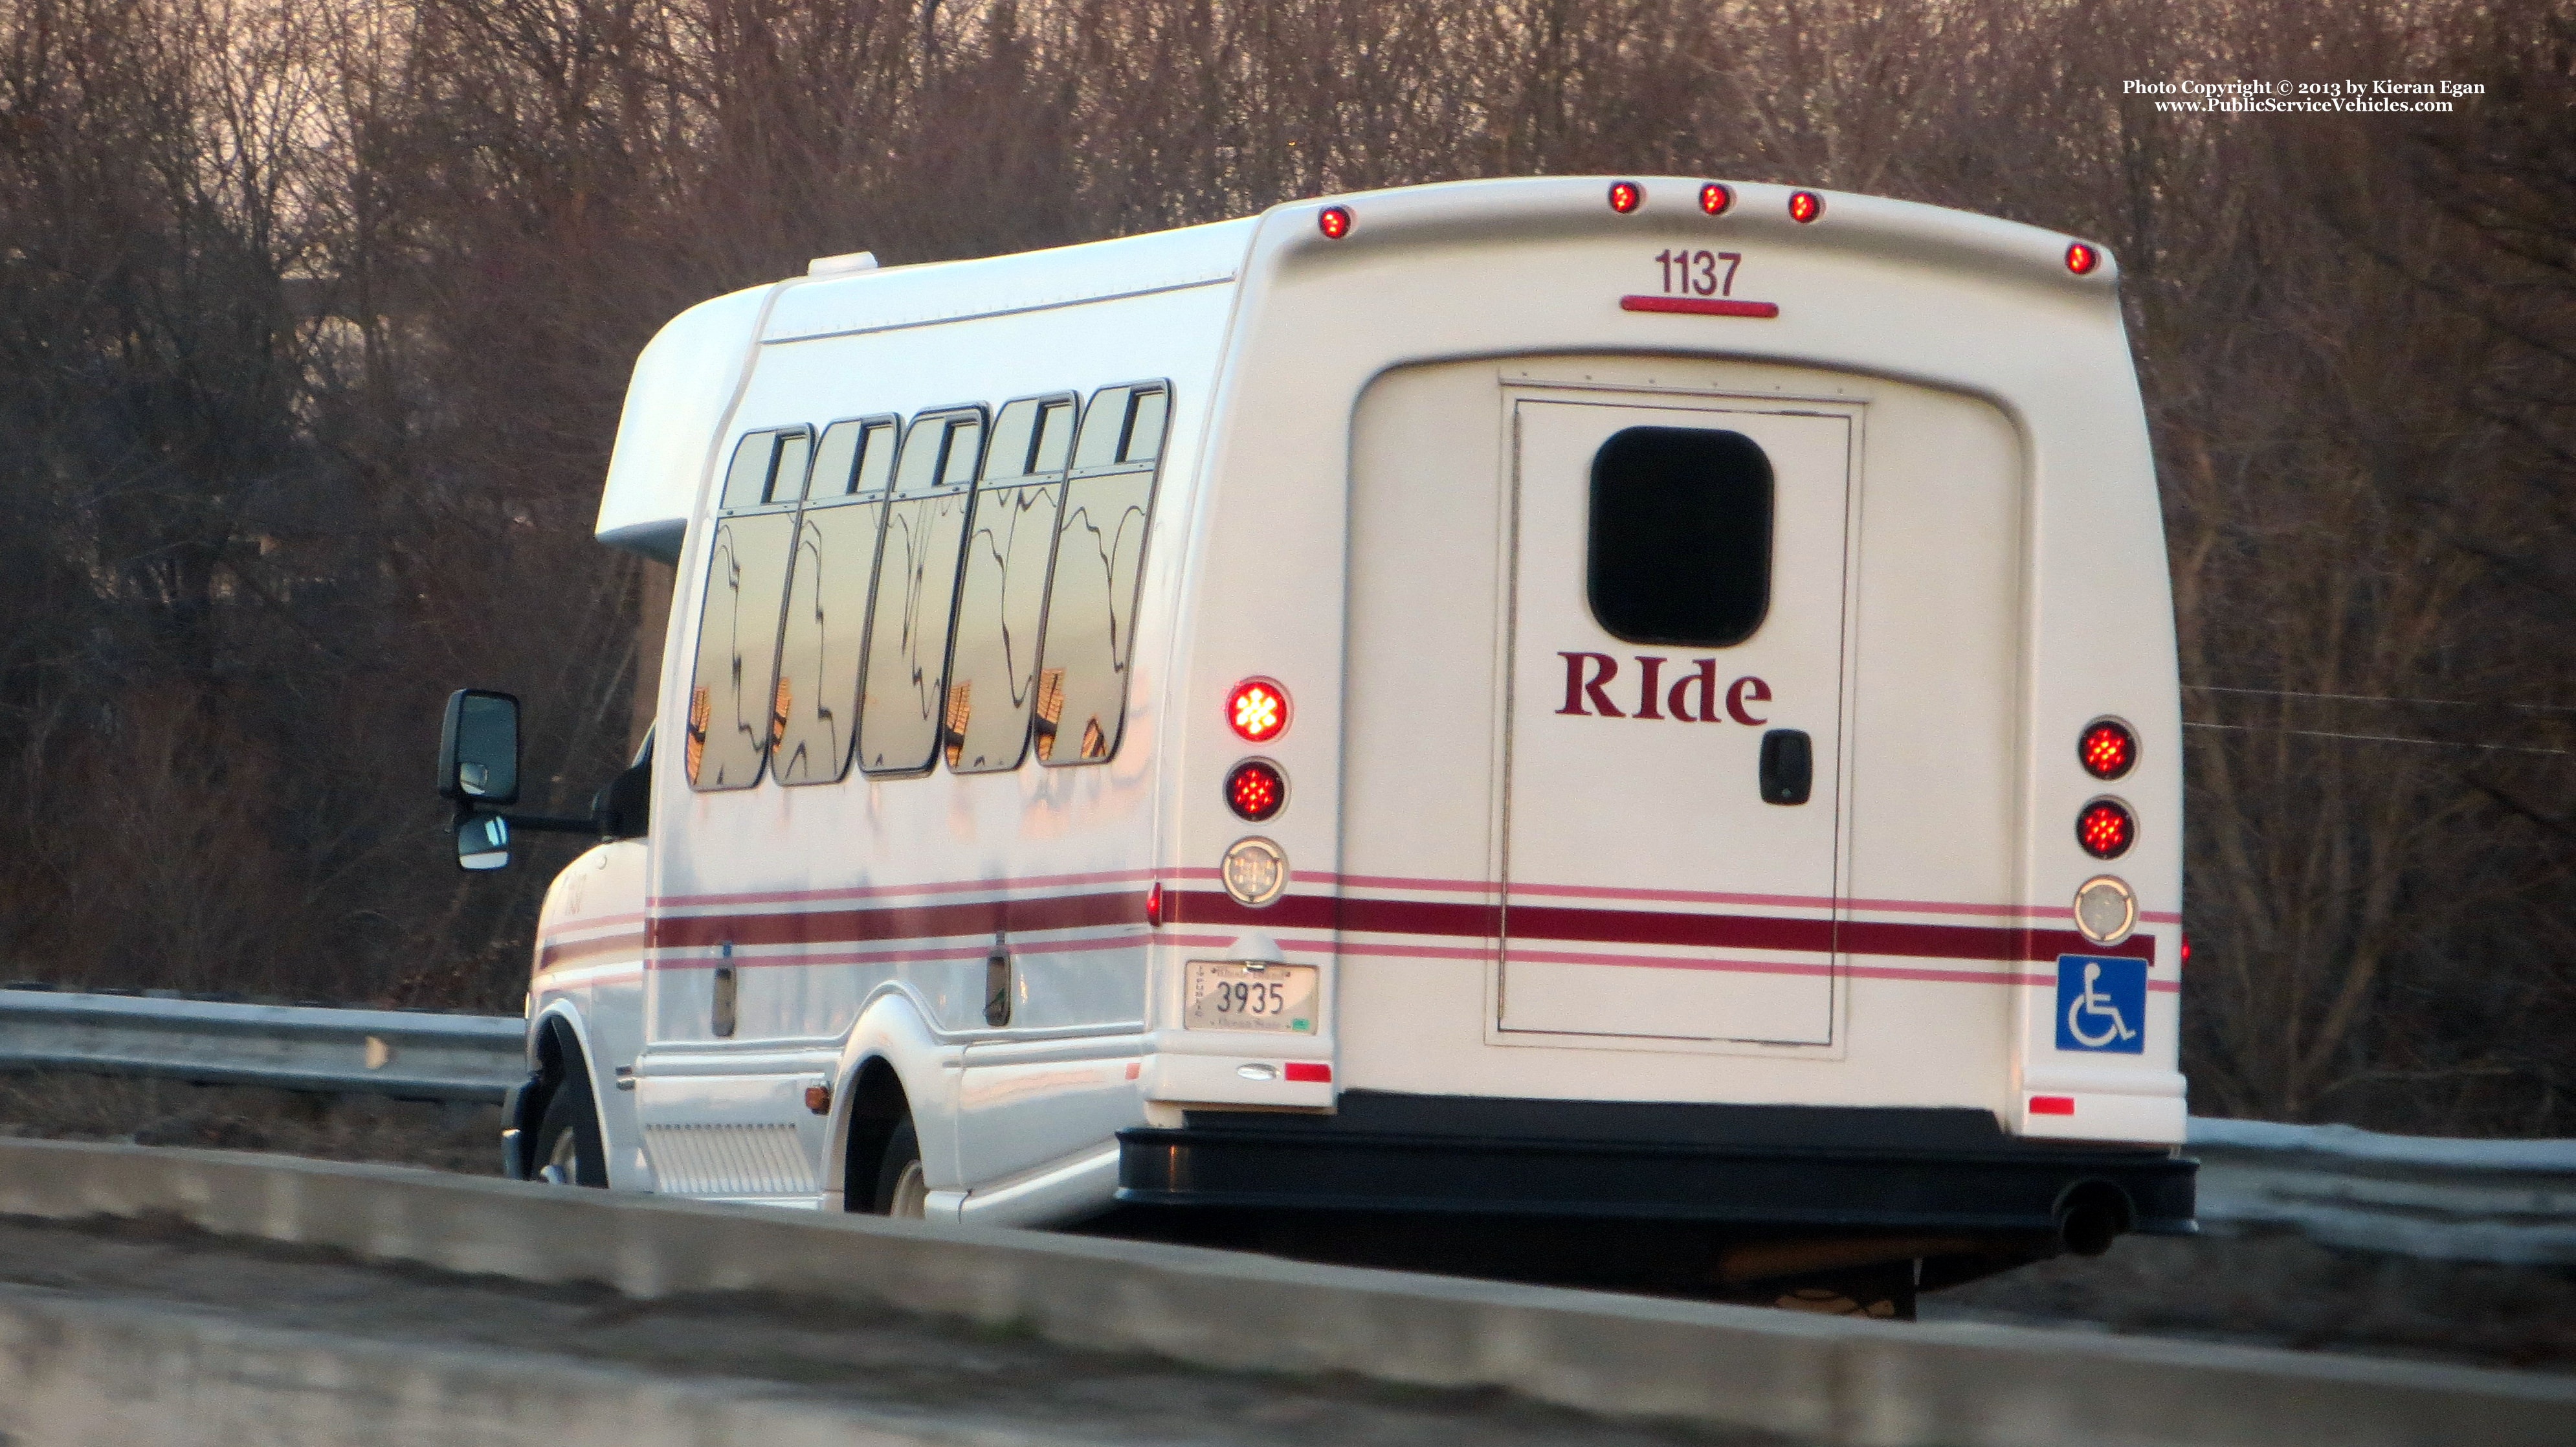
x=1833 y=1380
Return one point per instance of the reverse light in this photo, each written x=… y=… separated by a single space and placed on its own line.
x=1626 y=196
x=1805 y=206
x=1334 y=222
x=2108 y=749
x=2106 y=829
x=1714 y=199
x=2081 y=258
x=1257 y=710
x=1255 y=789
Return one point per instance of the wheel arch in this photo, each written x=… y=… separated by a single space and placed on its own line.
x=891 y=1067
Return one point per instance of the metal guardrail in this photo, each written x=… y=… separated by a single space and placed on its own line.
x=2509 y=1202
x=415 y=1055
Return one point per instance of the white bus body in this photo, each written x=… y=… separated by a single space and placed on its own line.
x=1551 y=935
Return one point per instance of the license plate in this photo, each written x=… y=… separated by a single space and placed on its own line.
x=1231 y=995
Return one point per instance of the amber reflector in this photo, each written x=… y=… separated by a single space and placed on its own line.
x=2108 y=749
x=2106 y=829
x=1256 y=789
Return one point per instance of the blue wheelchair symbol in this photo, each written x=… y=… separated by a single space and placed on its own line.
x=2101 y=1003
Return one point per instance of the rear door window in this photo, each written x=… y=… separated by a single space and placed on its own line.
x=1089 y=639
x=1680 y=546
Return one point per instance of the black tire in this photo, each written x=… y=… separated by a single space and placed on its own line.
x=900 y=1189
x=568 y=1151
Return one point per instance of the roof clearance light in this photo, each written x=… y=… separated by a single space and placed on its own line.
x=2106 y=829
x=2081 y=258
x=2108 y=749
x=1714 y=199
x=1626 y=196
x=1805 y=206
x=1255 y=789
x=1334 y=222
x=1258 y=710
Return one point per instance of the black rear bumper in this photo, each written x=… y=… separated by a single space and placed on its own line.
x=1773 y=1168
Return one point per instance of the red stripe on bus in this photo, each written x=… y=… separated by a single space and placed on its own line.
x=629 y=942
x=900 y=922
x=1705 y=306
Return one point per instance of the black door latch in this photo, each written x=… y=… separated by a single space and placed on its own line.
x=1788 y=766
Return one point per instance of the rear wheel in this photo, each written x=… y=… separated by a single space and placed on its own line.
x=569 y=1151
x=901 y=1188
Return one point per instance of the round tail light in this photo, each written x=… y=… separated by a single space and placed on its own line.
x=1255 y=789
x=1334 y=222
x=2080 y=258
x=1626 y=196
x=1257 y=710
x=1715 y=198
x=2108 y=749
x=1805 y=206
x=2106 y=829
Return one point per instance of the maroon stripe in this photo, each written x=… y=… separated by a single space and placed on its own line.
x=1699 y=306
x=1642 y=927
x=900 y=922
x=1452 y=918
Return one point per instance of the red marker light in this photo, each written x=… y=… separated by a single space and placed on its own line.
x=2186 y=947
x=2106 y=829
x=1334 y=222
x=2052 y=1105
x=1805 y=206
x=1714 y=199
x=1257 y=710
x=1255 y=789
x=1626 y=196
x=2108 y=750
x=1154 y=903
x=2081 y=258
x=1307 y=1070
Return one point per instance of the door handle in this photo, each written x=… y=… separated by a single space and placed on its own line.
x=1788 y=766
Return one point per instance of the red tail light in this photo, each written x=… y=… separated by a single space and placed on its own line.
x=2106 y=829
x=1257 y=710
x=2108 y=749
x=2081 y=258
x=1334 y=222
x=1255 y=789
x=1714 y=199
x=1805 y=206
x=1626 y=196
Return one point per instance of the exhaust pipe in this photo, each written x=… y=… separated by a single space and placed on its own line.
x=2091 y=1215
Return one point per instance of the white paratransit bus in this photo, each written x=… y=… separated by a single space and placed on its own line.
x=1554 y=700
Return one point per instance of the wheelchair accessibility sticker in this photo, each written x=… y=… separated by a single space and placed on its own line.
x=2101 y=1003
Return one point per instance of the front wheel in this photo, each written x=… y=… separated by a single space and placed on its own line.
x=569 y=1152
x=902 y=1190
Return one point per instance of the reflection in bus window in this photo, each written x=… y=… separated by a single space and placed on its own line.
x=993 y=664
x=1099 y=561
x=900 y=702
x=827 y=601
x=734 y=691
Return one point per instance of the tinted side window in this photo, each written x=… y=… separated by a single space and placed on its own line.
x=733 y=699
x=993 y=667
x=916 y=591
x=1099 y=563
x=1680 y=548
x=827 y=600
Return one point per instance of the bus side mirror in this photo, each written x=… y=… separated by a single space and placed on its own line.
x=478 y=749
x=482 y=841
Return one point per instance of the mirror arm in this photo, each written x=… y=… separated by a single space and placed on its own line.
x=549 y=823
